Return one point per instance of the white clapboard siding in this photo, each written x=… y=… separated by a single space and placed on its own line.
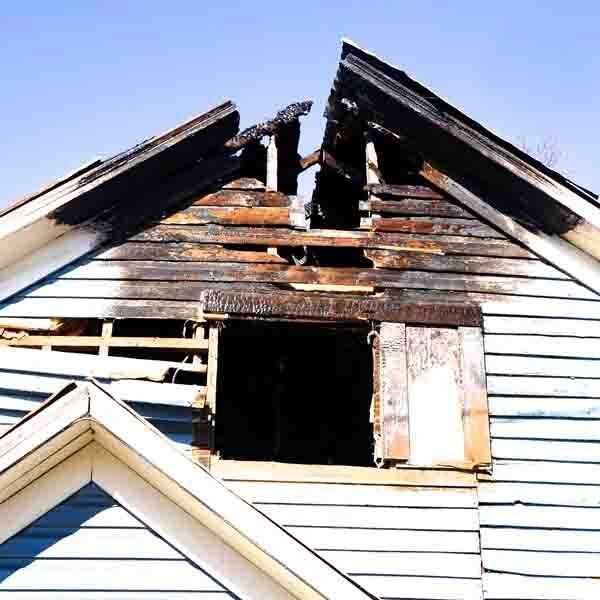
x=557 y=517
x=565 y=540
x=545 y=472
x=27 y=574
x=544 y=449
x=544 y=326
x=391 y=540
x=88 y=542
x=563 y=564
x=404 y=563
x=543 y=386
x=354 y=495
x=550 y=429
x=376 y=517
x=547 y=366
x=505 y=586
x=542 y=345
x=521 y=406
x=108 y=595
x=421 y=588
x=383 y=536
x=539 y=493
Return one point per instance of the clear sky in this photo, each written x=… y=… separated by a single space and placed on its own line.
x=87 y=79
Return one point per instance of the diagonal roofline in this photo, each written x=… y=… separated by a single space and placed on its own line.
x=88 y=412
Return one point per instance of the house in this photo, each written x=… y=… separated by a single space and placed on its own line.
x=386 y=390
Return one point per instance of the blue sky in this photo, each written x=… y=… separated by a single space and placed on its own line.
x=87 y=79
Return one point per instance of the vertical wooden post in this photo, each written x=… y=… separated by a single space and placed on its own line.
x=211 y=373
x=107 y=329
x=272 y=164
x=371 y=175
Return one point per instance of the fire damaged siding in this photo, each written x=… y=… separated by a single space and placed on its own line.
x=91 y=547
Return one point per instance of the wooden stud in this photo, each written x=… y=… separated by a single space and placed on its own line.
x=272 y=164
x=83 y=341
x=107 y=329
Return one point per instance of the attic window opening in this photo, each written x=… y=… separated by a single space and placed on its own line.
x=295 y=394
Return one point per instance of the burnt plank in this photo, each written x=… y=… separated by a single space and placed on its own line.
x=475 y=402
x=215 y=234
x=244 y=198
x=229 y=215
x=410 y=206
x=138 y=289
x=183 y=251
x=436 y=225
x=288 y=274
x=393 y=392
x=245 y=183
x=404 y=191
x=339 y=307
x=389 y=259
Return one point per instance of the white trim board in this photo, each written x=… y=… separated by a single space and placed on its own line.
x=141 y=469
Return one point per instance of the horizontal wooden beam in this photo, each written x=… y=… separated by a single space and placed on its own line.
x=404 y=191
x=340 y=307
x=414 y=207
x=183 y=251
x=230 y=215
x=85 y=341
x=441 y=225
x=389 y=259
x=245 y=199
x=443 y=244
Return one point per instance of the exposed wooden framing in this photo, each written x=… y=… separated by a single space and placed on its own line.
x=310 y=160
x=560 y=253
x=84 y=341
x=284 y=117
x=371 y=163
x=211 y=376
x=199 y=334
x=272 y=164
x=348 y=172
x=107 y=329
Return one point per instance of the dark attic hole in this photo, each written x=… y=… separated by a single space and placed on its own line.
x=294 y=393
